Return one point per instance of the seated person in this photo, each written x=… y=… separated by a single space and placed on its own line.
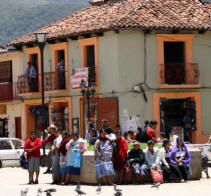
x=93 y=136
x=138 y=135
x=126 y=136
x=173 y=137
x=151 y=153
x=131 y=135
x=161 y=138
x=180 y=159
x=149 y=133
x=88 y=132
x=136 y=161
x=146 y=124
x=163 y=159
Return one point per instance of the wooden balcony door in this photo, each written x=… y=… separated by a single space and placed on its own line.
x=18 y=133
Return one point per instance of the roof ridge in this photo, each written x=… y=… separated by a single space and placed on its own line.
x=128 y=14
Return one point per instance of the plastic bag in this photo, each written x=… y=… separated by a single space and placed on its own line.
x=128 y=174
x=157 y=176
x=77 y=159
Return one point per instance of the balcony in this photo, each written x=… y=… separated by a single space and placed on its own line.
x=25 y=85
x=179 y=75
x=55 y=81
x=8 y=92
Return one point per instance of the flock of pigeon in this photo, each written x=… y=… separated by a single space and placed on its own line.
x=118 y=192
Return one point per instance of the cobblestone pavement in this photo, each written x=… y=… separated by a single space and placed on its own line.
x=13 y=180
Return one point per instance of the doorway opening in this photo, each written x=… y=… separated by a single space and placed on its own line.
x=36 y=123
x=180 y=115
x=174 y=59
x=18 y=133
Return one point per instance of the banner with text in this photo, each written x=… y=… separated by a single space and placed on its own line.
x=78 y=75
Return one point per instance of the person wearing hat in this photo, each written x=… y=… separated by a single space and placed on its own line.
x=105 y=124
x=49 y=140
x=136 y=161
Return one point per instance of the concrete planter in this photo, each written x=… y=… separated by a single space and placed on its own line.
x=88 y=171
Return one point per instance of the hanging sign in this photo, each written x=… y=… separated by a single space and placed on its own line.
x=78 y=75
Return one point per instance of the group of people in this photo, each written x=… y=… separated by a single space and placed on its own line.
x=173 y=160
x=65 y=154
x=111 y=154
x=31 y=73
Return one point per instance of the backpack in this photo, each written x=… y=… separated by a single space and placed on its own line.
x=23 y=162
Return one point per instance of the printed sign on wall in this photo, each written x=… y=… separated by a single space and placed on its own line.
x=78 y=75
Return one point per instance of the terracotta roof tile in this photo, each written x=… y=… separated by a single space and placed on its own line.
x=129 y=14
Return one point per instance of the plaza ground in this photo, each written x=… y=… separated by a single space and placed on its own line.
x=13 y=180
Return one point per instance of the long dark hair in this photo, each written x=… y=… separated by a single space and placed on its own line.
x=165 y=142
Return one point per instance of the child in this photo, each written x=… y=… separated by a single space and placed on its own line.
x=63 y=151
x=126 y=137
x=120 y=157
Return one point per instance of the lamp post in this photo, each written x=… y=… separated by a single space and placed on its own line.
x=88 y=91
x=41 y=39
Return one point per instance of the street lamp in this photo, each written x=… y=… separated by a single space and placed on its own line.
x=41 y=39
x=88 y=92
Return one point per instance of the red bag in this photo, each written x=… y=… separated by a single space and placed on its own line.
x=157 y=176
x=128 y=174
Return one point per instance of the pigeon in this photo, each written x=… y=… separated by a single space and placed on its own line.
x=48 y=193
x=98 y=190
x=25 y=192
x=78 y=186
x=118 y=194
x=156 y=185
x=116 y=189
x=50 y=190
x=22 y=193
x=39 y=192
x=79 y=191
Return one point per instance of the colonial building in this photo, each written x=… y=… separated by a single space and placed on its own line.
x=11 y=106
x=149 y=60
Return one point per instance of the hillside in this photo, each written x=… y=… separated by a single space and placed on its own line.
x=20 y=17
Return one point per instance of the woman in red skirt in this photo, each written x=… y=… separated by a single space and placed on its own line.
x=120 y=157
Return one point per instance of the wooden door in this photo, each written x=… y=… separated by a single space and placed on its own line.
x=107 y=108
x=18 y=127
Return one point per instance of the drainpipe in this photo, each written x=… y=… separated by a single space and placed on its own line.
x=144 y=84
x=145 y=61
